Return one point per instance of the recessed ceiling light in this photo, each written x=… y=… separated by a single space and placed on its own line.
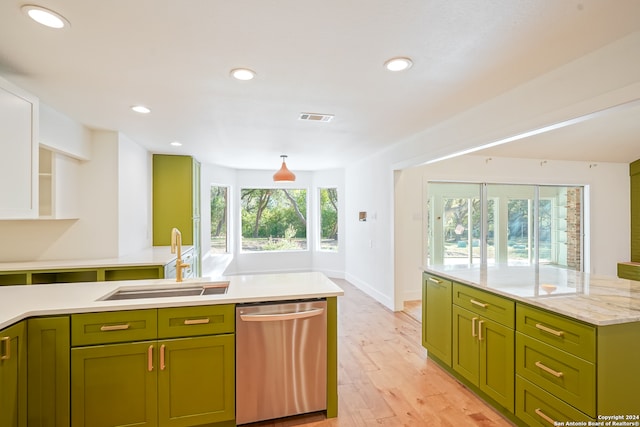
x=176 y=144
x=141 y=109
x=45 y=16
x=243 y=74
x=398 y=64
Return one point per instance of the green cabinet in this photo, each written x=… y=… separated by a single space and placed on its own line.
x=483 y=353
x=13 y=376
x=114 y=385
x=483 y=342
x=75 y=275
x=183 y=376
x=176 y=201
x=631 y=270
x=436 y=317
x=48 y=347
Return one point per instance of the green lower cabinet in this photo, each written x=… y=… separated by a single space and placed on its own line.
x=483 y=353
x=114 y=385
x=48 y=365
x=168 y=383
x=13 y=376
x=436 y=317
x=536 y=407
x=196 y=382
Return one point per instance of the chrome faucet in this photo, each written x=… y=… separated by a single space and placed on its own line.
x=176 y=247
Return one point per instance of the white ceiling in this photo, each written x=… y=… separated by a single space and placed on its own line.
x=174 y=56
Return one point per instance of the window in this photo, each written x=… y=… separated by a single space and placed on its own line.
x=273 y=219
x=525 y=224
x=219 y=215
x=328 y=219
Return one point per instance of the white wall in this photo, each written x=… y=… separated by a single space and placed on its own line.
x=134 y=197
x=60 y=133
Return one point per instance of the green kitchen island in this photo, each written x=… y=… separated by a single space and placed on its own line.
x=71 y=356
x=543 y=345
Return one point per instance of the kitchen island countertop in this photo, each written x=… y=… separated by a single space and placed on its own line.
x=23 y=301
x=598 y=300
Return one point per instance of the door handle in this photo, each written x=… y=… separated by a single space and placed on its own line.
x=547 y=369
x=280 y=317
x=7 y=348
x=473 y=327
x=480 y=330
x=150 y=358
x=549 y=330
x=545 y=417
x=106 y=328
x=162 y=365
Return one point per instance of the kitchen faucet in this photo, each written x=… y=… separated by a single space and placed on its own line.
x=176 y=247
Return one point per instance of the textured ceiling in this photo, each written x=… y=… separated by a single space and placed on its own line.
x=175 y=56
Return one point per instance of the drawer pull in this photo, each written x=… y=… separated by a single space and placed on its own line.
x=478 y=303
x=549 y=330
x=150 y=358
x=107 y=328
x=434 y=280
x=473 y=327
x=545 y=417
x=162 y=365
x=7 y=348
x=549 y=370
x=480 y=330
x=196 y=321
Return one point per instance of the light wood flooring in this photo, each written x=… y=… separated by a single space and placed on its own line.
x=385 y=378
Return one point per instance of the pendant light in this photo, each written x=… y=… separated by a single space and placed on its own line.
x=284 y=174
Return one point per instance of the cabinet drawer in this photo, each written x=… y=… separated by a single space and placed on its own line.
x=566 y=334
x=430 y=279
x=491 y=306
x=536 y=407
x=562 y=374
x=113 y=327
x=199 y=320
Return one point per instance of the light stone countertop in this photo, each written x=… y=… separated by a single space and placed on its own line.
x=155 y=255
x=598 y=300
x=23 y=301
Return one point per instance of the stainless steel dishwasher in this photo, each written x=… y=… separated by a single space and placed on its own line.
x=281 y=359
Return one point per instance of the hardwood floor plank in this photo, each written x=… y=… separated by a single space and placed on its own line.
x=385 y=378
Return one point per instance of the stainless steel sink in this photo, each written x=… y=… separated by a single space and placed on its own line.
x=165 y=292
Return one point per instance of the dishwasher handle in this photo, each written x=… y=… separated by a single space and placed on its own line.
x=280 y=317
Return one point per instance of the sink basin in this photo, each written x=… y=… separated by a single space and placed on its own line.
x=165 y=292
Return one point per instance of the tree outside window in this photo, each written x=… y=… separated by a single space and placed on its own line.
x=273 y=219
x=219 y=214
x=328 y=219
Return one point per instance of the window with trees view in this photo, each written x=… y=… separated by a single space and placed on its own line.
x=219 y=214
x=328 y=219
x=505 y=224
x=273 y=219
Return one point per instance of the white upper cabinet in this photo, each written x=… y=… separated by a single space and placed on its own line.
x=18 y=153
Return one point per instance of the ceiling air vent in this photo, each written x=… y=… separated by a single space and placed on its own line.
x=314 y=117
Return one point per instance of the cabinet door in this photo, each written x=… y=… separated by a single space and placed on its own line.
x=48 y=364
x=13 y=376
x=114 y=385
x=196 y=380
x=436 y=317
x=497 y=362
x=466 y=348
x=19 y=147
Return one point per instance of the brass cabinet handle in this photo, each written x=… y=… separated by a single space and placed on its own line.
x=545 y=417
x=549 y=370
x=478 y=303
x=434 y=280
x=7 y=348
x=150 y=358
x=480 y=330
x=196 y=321
x=473 y=327
x=106 y=328
x=162 y=365
x=549 y=330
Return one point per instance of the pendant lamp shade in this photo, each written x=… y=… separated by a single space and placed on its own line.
x=284 y=174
